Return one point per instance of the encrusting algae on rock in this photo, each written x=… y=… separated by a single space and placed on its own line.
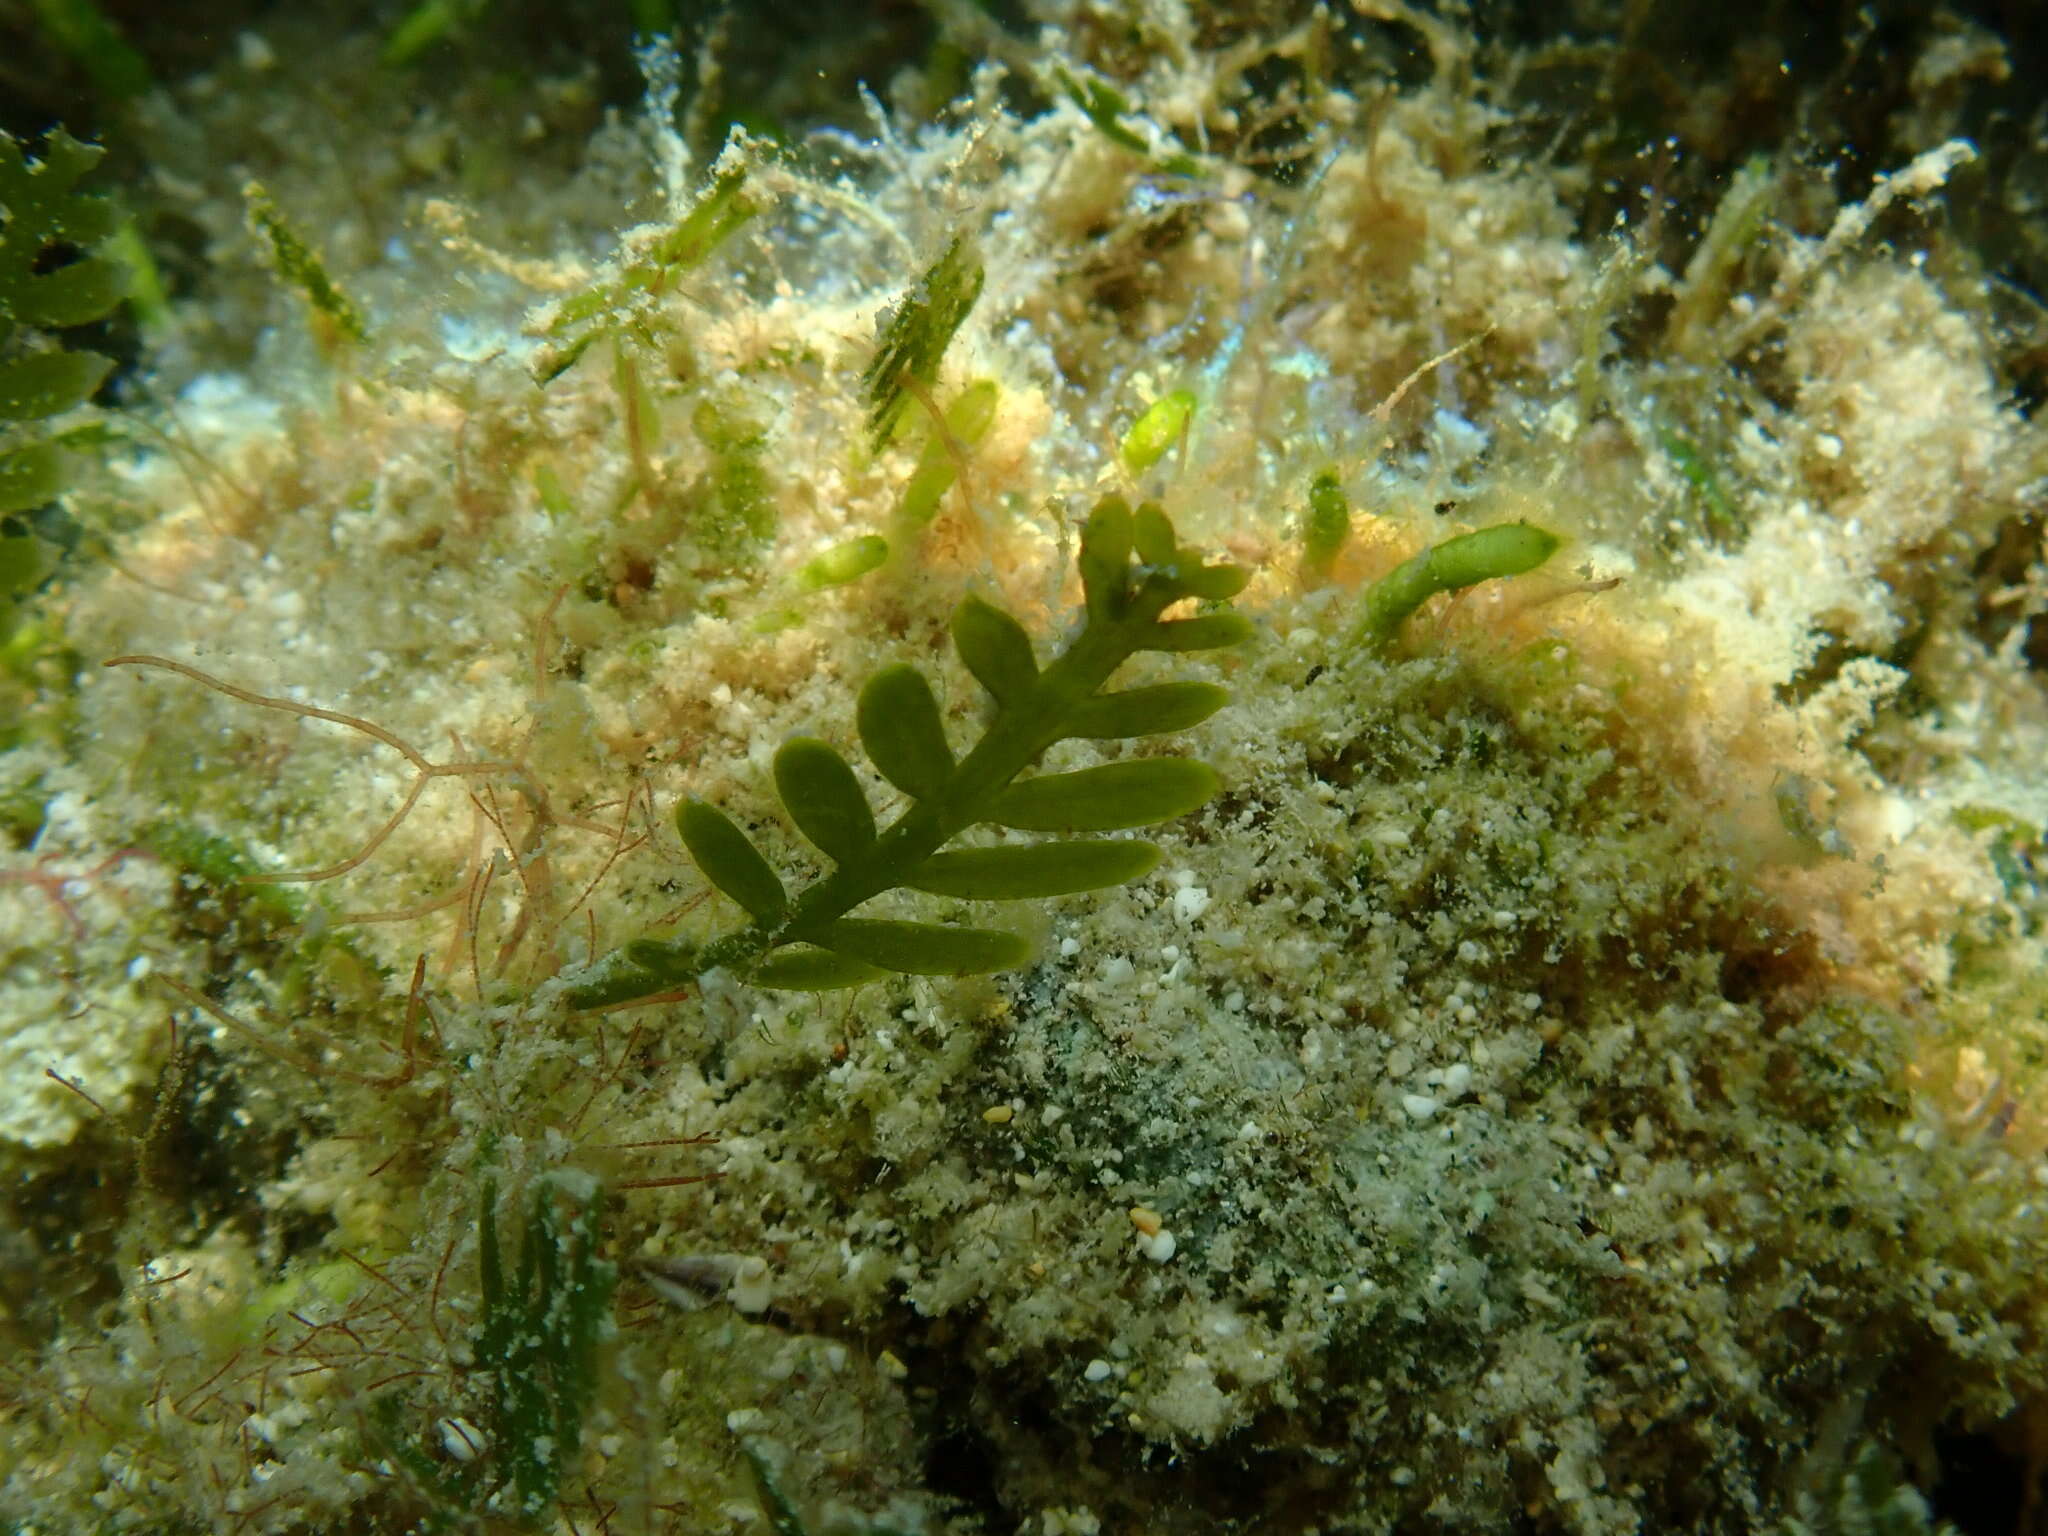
x=1577 y=1066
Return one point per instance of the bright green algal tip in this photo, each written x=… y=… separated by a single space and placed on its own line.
x=1506 y=549
x=1153 y=434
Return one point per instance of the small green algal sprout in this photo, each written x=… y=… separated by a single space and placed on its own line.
x=1506 y=549
x=965 y=423
x=1152 y=436
x=915 y=333
x=1132 y=571
x=1105 y=107
x=335 y=319
x=1325 y=529
x=842 y=563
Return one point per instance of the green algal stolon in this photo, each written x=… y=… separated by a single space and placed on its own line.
x=1132 y=570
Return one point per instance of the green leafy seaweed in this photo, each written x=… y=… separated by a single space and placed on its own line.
x=1133 y=570
x=56 y=271
x=58 y=268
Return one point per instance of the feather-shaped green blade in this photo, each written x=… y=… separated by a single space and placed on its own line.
x=924 y=949
x=900 y=727
x=1204 y=632
x=1106 y=799
x=824 y=799
x=1133 y=571
x=996 y=650
x=1146 y=711
x=730 y=861
x=1105 y=559
x=806 y=968
x=1039 y=869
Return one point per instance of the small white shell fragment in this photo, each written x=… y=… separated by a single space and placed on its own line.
x=462 y=1439
x=1190 y=902
x=1159 y=1247
x=1420 y=1107
x=1095 y=1370
x=751 y=1287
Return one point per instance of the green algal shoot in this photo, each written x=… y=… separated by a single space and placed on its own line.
x=1325 y=528
x=964 y=424
x=334 y=317
x=1506 y=549
x=914 y=335
x=1158 y=428
x=842 y=563
x=423 y=26
x=1105 y=107
x=1711 y=273
x=641 y=419
x=606 y=305
x=1132 y=571
x=738 y=492
x=838 y=565
x=1720 y=523
x=554 y=496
